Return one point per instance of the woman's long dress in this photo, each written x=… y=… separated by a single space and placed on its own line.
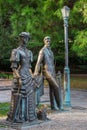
x=23 y=97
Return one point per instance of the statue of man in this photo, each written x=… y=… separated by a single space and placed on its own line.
x=46 y=59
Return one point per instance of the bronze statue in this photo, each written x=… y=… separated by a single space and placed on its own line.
x=46 y=59
x=23 y=92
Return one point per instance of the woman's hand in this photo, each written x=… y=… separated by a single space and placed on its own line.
x=19 y=81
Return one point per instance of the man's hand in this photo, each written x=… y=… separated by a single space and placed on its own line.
x=36 y=74
x=31 y=72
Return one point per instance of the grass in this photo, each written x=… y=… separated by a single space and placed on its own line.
x=3 y=75
x=4 y=108
x=78 y=81
x=6 y=75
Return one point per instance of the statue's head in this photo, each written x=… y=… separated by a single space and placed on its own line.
x=47 y=41
x=24 y=36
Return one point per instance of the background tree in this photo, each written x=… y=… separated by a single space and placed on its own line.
x=41 y=18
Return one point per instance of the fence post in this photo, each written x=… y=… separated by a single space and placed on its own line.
x=60 y=86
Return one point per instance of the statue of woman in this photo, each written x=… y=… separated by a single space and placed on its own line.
x=23 y=91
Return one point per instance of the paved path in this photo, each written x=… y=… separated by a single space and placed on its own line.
x=78 y=97
x=73 y=119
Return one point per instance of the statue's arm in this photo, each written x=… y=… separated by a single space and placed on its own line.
x=31 y=60
x=15 y=58
x=16 y=73
x=39 y=62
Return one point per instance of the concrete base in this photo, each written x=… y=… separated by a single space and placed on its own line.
x=21 y=126
x=67 y=108
x=67 y=100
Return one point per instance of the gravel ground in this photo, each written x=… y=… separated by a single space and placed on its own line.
x=67 y=120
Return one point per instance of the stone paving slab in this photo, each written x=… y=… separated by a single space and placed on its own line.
x=5 y=96
x=5 y=82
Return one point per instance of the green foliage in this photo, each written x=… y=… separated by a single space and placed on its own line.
x=80 y=43
x=78 y=20
x=41 y=18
